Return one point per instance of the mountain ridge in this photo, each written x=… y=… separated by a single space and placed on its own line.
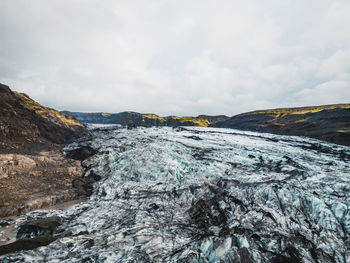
x=145 y=119
x=326 y=122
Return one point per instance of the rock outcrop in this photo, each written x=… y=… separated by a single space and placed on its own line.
x=330 y=123
x=33 y=234
x=135 y=119
x=32 y=181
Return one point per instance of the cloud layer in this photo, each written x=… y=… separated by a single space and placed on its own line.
x=176 y=57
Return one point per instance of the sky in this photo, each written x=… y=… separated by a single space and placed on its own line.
x=176 y=57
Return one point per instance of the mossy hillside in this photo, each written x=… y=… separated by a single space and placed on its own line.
x=48 y=113
x=106 y=114
x=175 y=121
x=152 y=120
x=281 y=112
x=188 y=121
x=296 y=116
x=146 y=120
x=23 y=122
x=326 y=122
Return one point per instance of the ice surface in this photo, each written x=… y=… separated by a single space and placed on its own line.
x=207 y=195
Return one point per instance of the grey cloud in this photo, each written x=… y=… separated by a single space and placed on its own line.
x=176 y=57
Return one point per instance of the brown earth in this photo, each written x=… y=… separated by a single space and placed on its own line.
x=30 y=182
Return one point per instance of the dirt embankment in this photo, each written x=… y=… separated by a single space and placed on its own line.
x=29 y=182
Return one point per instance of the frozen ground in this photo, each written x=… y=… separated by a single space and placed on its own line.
x=206 y=195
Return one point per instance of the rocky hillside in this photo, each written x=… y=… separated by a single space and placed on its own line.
x=146 y=120
x=24 y=122
x=329 y=123
x=33 y=171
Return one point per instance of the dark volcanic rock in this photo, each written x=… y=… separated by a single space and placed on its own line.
x=26 y=244
x=40 y=227
x=84 y=185
x=81 y=153
x=33 y=234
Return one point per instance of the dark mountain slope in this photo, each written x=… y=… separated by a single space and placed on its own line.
x=146 y=120
x=330 y=123
x=24 y=121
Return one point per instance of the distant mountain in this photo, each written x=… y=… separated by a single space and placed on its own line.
x=24 y=121
x=146 y=120
x=330 y=123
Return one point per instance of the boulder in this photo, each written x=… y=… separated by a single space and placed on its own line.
x=41 y=227
x=33 y=234
x=81 y=153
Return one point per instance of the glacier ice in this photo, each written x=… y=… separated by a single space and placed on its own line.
x=206 y=195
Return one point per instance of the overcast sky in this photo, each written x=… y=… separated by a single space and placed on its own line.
x=176 y=57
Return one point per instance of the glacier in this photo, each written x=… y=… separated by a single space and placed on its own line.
x=192 y=194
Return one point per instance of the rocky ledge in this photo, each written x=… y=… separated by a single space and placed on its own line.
x=33 y=181
x=33 y=234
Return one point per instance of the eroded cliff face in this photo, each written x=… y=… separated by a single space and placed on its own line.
x=24 y=122
x=330 y=123
x=33 y=171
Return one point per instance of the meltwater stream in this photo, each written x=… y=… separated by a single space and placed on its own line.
x=206 y=195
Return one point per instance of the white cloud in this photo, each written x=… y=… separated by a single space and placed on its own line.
x=175 y=56
x=330 y=92
x=337 y=66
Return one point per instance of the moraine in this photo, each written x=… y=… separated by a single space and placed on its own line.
x=205 y=195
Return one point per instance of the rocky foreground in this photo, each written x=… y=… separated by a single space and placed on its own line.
x=33 y=171
x=32 y=181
